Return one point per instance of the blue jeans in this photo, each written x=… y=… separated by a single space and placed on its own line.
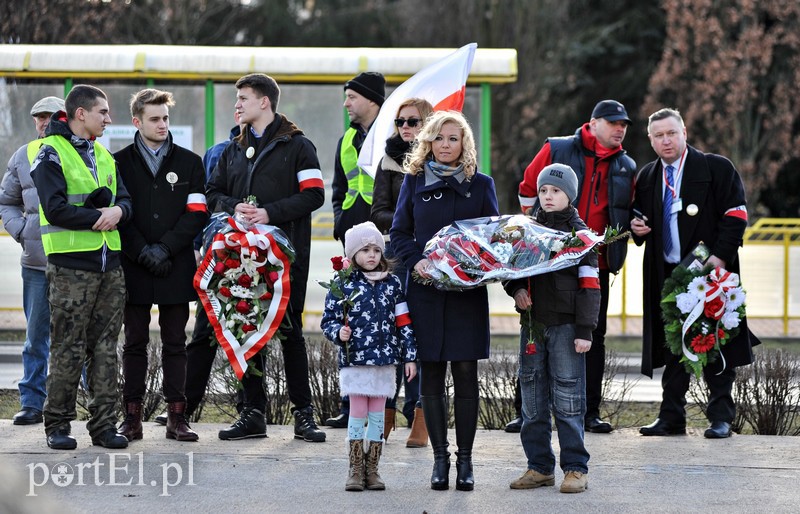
x=32 y=390
x=553 y=379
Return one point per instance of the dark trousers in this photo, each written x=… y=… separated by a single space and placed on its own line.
x=596 y=356
x=200 y=359
x=295 y=362
x=675 y=384
x=200 y=353
x=172 y=320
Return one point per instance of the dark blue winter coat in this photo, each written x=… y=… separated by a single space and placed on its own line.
x=449 y=325
x=378 y=318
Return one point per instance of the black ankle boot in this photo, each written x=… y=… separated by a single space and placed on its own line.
x=466 y=414
x=435 y=412
x=465 y=481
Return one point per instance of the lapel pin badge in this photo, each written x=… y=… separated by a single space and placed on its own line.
x=692 y=210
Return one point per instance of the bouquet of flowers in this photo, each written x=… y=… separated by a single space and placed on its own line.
x=470 y=253
x=702 y=309
x=342 y=269
x=244 y=285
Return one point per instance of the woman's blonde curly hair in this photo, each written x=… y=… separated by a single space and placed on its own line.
x=415 y=160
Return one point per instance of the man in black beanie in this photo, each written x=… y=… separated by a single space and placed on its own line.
x=352 y=186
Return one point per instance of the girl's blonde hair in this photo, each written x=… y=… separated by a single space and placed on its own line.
x=415 y=160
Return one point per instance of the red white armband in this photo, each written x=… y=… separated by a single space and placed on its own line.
x=588 y=277
x=737 y=212
x=401 y=316
x=196 y=202
x=310 y=178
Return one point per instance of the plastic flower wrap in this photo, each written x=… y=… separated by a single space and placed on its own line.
x=244 y=285
x=473 y=252
x=702 y=309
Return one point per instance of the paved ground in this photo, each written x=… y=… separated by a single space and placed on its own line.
x=628 y=473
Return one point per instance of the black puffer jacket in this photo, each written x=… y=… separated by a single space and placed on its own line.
x=272 y=176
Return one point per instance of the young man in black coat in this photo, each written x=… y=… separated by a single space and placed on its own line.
x=706 y=203
x=167 y=185
x=272 y=160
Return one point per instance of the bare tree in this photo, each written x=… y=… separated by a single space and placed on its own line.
x=733 y=70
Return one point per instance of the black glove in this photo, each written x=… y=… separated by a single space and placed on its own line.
x=153 y=255
x=163 y=269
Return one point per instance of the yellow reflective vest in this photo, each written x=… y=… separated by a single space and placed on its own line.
x=80 y=184
x=359 y=182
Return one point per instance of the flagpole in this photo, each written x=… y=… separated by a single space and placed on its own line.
x=486 y=128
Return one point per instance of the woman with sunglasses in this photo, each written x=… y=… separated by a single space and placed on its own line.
x=410 y=118
x=443 y=185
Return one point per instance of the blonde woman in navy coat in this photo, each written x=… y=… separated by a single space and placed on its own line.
x=443 y=185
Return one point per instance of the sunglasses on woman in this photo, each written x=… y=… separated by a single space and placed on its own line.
x=412 y=122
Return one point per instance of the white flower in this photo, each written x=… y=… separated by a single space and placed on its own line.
x=557 y=246
x=698 y=287
x=231 y=324
x=736 y=297
x=241 y=292
x=686 y=302
x=730 y=320
x=503 y=251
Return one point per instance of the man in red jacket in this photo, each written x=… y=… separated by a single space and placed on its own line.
x=605 y=177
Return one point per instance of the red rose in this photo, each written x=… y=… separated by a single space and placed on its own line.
x=261 y=270
x=245 y=280
x=530 y=348
x=337 y=263
x=721 y=334
x=219 y=268
x=266 y=296
x=247 y=327
x=273 y=276
x=231 y=263
x=224 y=291
x=242 y=307
x=714 y=309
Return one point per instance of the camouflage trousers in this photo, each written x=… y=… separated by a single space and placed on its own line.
x=85 y=320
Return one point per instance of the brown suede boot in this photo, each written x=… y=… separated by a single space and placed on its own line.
x=177 y=426
x=131 y=428
x=418 y=438
x=355 y=475
x=373 y=479
x=388 y=422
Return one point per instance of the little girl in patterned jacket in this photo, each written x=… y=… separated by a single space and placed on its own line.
x=374 y=335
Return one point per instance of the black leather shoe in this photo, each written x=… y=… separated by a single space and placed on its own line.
x=659 y=427
x=514 y=427
x=28 y=416
x=718 y=430
x=161 y=419
x=251 y=423
x=61 y=440
x=597 y=426
x=339 y=421
x=110 y=439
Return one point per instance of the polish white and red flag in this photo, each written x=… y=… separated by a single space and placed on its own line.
x=443 y=84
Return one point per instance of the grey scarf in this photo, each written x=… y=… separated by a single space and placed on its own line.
x=153 y=160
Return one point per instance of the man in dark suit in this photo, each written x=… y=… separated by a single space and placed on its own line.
x=167 y=185
x=705 y=202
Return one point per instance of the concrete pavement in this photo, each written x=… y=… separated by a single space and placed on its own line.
x=627 y=473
